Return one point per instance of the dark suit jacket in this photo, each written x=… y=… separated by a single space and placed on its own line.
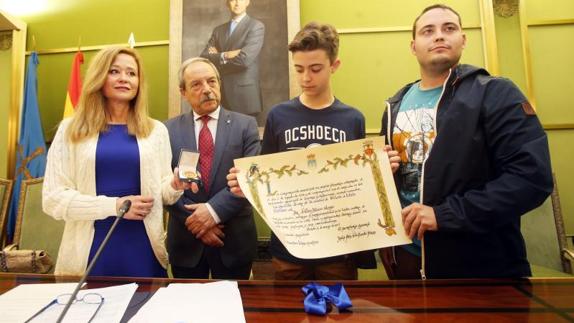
x=237 y=136
x=240 y=75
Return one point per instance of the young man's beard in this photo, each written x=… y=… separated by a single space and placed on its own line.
x=440 y=65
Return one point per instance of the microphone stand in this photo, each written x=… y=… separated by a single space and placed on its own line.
x=122 y=211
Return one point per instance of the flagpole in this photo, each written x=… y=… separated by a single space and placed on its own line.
x=31 y=150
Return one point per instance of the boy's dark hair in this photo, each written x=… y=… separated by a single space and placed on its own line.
x=435 y=6
x=317 y=36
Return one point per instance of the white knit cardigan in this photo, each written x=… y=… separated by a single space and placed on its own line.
x=69 y=193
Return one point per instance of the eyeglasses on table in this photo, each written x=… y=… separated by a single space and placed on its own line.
x=63 y=299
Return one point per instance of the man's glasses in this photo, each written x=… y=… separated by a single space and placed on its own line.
x=89 y=298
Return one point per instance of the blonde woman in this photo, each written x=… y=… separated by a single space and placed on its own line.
x=109 y=151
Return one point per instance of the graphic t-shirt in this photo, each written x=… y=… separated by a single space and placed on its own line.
x=291 y=125
x=413 y=137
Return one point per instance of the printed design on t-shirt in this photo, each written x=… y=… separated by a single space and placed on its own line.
x=316 y=132
x=413 y=136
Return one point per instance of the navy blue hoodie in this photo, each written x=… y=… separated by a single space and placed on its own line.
x=489 y=165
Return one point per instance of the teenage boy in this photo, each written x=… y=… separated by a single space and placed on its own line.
x=314 y=118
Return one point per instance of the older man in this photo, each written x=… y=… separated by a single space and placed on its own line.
x=212 y=230
x=234 y=48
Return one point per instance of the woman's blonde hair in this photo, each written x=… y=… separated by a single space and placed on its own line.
x=90 y=116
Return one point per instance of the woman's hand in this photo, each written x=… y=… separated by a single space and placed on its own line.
x=140 y=208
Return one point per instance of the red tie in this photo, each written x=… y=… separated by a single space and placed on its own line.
x=205 y=152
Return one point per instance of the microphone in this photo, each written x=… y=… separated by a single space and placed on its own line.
x=124 y=208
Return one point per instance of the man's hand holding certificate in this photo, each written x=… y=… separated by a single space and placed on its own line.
x=328 y=200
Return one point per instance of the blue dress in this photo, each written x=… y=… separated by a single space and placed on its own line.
x=128 y=252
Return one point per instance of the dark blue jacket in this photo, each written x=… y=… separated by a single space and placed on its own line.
x=489 y=165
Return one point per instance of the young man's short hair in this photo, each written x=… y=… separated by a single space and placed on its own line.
x=317 y=36
x=435 y=6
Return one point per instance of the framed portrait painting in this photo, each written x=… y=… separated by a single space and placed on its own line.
x=248 y=43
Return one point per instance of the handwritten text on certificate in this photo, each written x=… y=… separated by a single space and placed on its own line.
x=327 y=200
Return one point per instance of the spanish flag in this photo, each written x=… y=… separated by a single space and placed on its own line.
x=74 y=86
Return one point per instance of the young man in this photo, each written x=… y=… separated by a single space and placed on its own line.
x=474 y=158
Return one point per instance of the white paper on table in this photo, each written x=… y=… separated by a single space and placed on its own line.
x=116 y=300
x=202 y=303
x=23 y=301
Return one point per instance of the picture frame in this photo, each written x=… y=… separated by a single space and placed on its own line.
x=191 y=24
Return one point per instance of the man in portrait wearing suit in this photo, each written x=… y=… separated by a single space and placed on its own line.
x=211 y=230
x=234 y=48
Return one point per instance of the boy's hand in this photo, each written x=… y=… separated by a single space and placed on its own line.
x=233 y=183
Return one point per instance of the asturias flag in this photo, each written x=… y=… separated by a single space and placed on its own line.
x=31 y=152
x=74 y=86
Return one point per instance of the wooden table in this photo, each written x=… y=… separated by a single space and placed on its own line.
x=534 y=300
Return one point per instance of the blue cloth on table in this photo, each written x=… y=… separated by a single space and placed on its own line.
x=319 y=298
x=128 y=252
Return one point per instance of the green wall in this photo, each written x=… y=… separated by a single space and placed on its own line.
x=5 y=85
x=552 y=67
x=95 y=23
x=510 y=50
x=552 y=50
